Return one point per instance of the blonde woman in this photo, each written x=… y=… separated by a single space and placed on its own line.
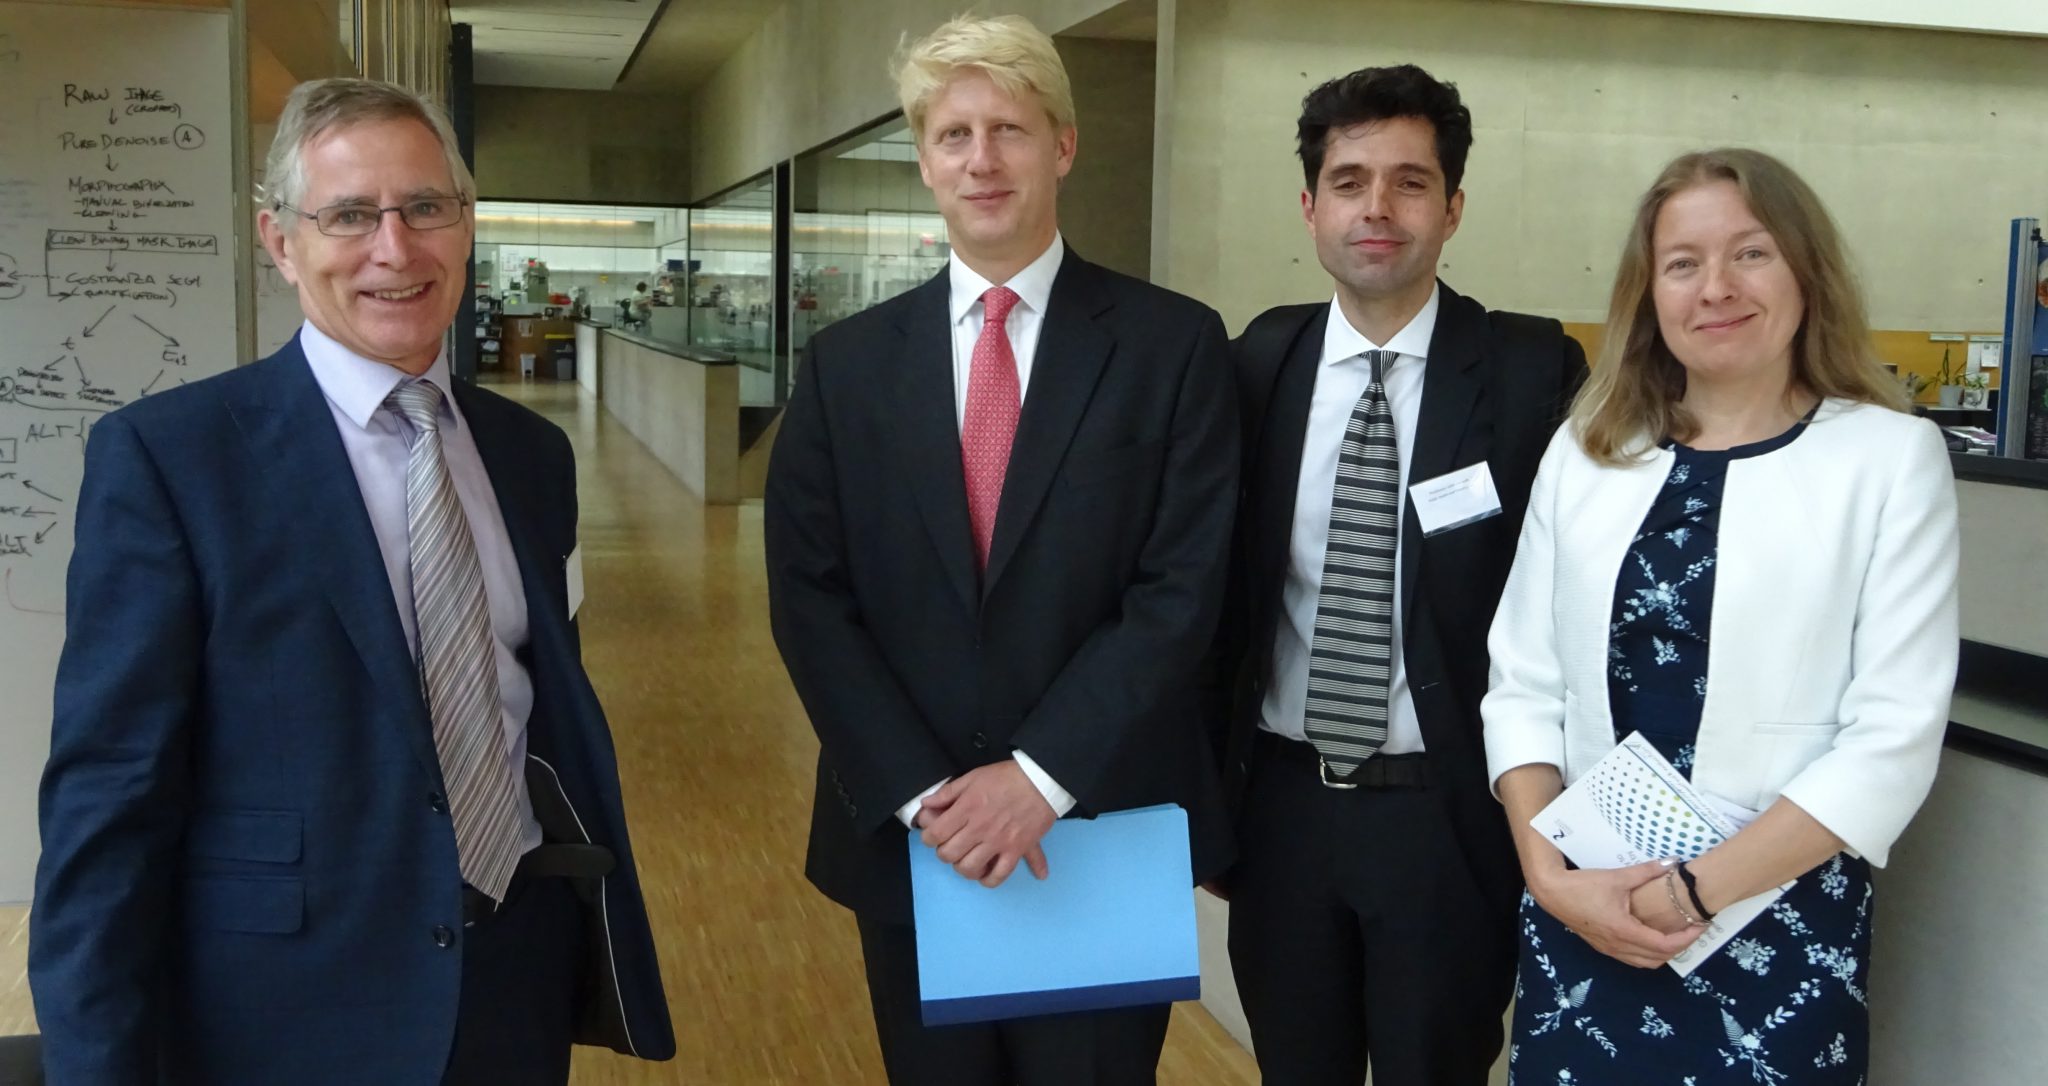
x=1744 y=548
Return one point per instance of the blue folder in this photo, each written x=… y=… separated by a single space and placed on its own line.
x=1113 y=926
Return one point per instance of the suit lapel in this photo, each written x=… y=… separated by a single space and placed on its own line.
x=1450 y=389
x=539 y=571
x=1072 y=349
x=501 y=459
x=931 y=433
x=1283 y=431
x=292 y=439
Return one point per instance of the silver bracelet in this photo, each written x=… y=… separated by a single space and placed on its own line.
x=1671 y=891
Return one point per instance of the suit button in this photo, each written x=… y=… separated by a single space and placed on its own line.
x=438 y=802
x=980 y=741
x=852 y=811
x=443 y=937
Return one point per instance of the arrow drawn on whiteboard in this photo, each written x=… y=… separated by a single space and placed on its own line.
x=110 y=115
x=88 y=328
x=53 y=363
x=110 y=260
x=110 y=164
x=40 y=536
x=32 y=486
x=155 y=329
x=152 y=382
x=83 y=380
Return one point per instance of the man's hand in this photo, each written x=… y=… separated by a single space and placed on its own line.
x=984 y=822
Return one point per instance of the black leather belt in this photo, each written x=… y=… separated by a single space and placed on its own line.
x=542 y=862
x=1377 y=772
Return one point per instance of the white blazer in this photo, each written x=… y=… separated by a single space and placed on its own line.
x=1832 y=648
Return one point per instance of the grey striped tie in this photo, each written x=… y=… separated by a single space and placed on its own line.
x=458 y=665
x=1352 y=656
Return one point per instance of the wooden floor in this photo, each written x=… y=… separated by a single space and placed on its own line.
x=764 y=977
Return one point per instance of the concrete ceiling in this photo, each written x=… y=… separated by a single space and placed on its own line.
x=566 y=44
x=589 y=44
x=690 y=40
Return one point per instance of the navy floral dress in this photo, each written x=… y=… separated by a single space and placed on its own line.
x=1786 y=1000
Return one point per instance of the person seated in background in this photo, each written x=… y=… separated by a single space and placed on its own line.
x=1739 y=480
x=640 y=307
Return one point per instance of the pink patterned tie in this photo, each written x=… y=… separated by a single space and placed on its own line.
x=991 y=421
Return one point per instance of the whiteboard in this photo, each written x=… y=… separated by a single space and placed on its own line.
x=117 y=242
x=278 y=316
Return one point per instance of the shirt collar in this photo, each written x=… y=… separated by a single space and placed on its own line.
x=1341 y=341
x=1033 y=285
x=359 y=386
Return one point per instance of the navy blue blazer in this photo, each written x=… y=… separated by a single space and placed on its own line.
x=248 y=874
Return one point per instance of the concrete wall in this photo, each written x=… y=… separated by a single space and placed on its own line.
x=589 y=359
x=1106 y=204
x=816 y=70
x=537 y=144
x=1923 y=144
x=687 y=414
x=1957 y=955
x=855 y=186
x=2004 y=583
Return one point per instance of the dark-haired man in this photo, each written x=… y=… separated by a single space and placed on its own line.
x=1391 y=437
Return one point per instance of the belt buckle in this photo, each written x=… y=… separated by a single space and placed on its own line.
x=1323 y=772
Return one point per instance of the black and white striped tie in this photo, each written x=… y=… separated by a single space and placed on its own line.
x=458 y=663
x=1352 y=656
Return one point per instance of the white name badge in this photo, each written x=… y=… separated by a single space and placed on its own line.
x=573 y=571
x=1455 y=499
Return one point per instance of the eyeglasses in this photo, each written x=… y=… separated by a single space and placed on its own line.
x=360 y=220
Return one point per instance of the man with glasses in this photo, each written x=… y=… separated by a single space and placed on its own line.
x=330 y=798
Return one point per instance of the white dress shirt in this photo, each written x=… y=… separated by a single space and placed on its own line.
x=1034 y=290
x=379 y=442
x=1341 y=378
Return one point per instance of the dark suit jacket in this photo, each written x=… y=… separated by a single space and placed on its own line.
x=246 y=863
x=1083 y=643
x=1495 y=387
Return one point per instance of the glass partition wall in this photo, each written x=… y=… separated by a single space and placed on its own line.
x=729 y=297
x=537 y=260
x=864 y=229
x=859 y=228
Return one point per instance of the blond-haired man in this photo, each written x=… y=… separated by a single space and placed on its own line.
x=997 y=525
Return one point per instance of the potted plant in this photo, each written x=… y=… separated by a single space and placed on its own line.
x=1950 y=378
x=1976 y=389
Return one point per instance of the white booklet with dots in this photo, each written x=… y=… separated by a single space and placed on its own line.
x=1633 y=807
